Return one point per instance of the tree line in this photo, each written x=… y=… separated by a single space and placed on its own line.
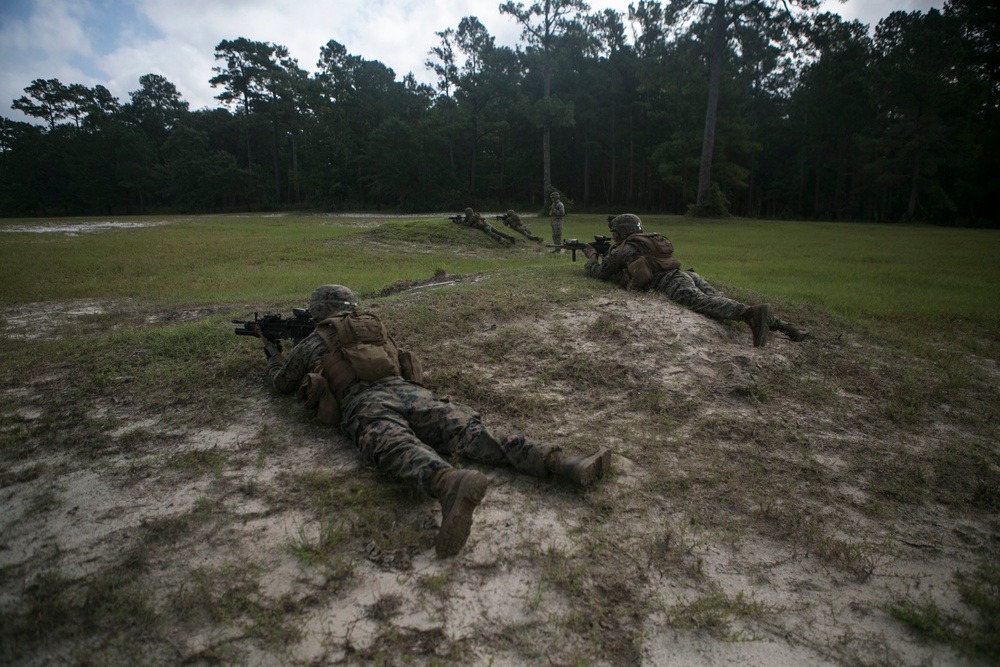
x=759 y=108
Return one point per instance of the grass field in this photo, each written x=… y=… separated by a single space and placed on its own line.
x=863 y=272
x=832 y=502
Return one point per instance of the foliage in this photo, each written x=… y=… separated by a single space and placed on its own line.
x=808 y=116
x=713 y=205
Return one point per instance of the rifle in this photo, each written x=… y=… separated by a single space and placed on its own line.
x=460 y=219
x=602 y=244
x=273 y=328
x=502 y=218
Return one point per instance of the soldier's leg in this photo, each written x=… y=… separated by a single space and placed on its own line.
x=680 y=286
x=453 y=428
x=557 y=227
x=527 y=234
x=702 y=284
x=375 y=422
x=790 y=330
x=459 y=430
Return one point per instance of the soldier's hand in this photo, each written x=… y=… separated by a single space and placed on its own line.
x=271 y=350
x=589 y=252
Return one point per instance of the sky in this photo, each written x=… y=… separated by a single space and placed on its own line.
x=114 y=42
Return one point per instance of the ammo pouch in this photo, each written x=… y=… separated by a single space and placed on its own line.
x=410 y=366
x=315 y=394
x=657 y=256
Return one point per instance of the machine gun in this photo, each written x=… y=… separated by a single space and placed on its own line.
x=602 y=244
x=273 y=328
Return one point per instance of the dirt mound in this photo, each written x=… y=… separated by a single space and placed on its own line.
x=764 y=507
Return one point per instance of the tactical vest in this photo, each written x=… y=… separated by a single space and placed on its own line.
x=360 y=350
x=657 y=255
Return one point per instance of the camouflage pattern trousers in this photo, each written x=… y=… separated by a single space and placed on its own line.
x=692 y=291
x=524 y=231
x=557 y=229
x=404 y=430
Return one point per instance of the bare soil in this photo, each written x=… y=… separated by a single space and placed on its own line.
x=767 y=506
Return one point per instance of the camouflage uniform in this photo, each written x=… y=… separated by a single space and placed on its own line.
x=685 y=287
x=476 y=221
x=513 y=220
x=557 y=211
x=646 y=261
x=403 y=429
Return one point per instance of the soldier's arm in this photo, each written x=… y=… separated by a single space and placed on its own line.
x=286 y=370
x=613 y=265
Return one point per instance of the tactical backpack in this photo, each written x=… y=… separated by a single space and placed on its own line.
x=657 y=256
x=361 y=350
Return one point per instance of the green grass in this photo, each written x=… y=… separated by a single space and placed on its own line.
x=163 y=349
x=906 y=276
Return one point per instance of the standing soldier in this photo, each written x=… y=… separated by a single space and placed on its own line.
x=556 y=212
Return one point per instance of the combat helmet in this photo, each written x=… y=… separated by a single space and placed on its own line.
x=509 y=212
x=327 y=300
x=626 y=224
x=468 y=211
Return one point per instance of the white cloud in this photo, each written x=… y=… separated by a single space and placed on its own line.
x=60 y=41
x=872 y=11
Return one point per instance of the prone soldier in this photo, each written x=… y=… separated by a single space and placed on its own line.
x=513 y=220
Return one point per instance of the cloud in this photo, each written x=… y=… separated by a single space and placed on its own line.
x=871 y=12
x=114 y=42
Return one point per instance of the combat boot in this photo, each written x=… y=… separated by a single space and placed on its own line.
x=796 y=334
x=759 y=318
x=581 y=470
x=459 y=492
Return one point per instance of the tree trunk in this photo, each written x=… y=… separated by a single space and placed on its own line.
x=712 y=110
x=546 y=132
x=546 y=159
x=277 y=166
x=911 y=206
x=475 y=148
x=614 y=151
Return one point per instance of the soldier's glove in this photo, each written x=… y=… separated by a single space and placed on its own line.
x=270 y=349
x=589 y=252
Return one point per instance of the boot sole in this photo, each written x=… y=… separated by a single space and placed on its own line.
x=593 y=468
x=759 y=326
x=455 y=527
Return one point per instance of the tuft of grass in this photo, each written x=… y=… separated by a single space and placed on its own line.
x=976 y=635
x=230 y=595
x=716 y=613
x=329 y=548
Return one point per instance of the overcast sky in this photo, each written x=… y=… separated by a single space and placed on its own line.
x=114 y=42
